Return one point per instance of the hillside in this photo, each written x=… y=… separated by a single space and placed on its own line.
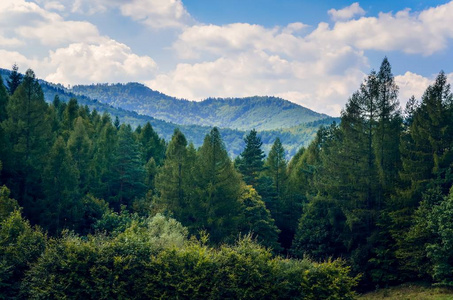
x=261 y=113
x=292 y=138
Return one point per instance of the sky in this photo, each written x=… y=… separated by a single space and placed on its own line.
x=314 y=54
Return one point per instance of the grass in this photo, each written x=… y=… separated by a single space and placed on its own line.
x=410 y=291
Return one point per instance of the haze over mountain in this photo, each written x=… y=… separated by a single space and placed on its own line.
x=261 y=113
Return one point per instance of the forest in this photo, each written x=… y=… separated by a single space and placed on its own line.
x=93 y=208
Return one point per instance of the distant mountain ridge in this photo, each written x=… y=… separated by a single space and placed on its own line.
x=261 y=113
x=292 y=138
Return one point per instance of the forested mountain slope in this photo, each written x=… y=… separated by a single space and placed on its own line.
x=293 y=138
x=261 y=113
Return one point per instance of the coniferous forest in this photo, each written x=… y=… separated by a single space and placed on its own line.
x=94 y=209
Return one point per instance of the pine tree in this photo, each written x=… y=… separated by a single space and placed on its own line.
x=250 y=162
x=28 y=135
x=79 y=145
x=173 y=182
x=151 y=146
x=70 y=114
x=102 y=172
x=60 y=208
x=388 y=130
x=218 y=186
x=129 y=173
x=285 y=212
x=14 y=79
x=426 y=165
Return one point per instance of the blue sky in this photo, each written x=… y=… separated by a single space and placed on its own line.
x=315 y=53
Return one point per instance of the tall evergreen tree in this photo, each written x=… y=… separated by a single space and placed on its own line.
x=27 y=131
x=79 y=145
x=426 y=165
x=285 y=212
x=61 y=207
x=151 y=145
x=102 y=172
x=250 y=162
x=129 y=173
x=218 y=186
x=175 y=179
x=14 y=79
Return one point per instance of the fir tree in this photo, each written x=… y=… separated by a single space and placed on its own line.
x=14 y=79
x=27 y=133
x=129 y=173
x=174 y=180
x=60 y=180
x=218 y=186
x=250 y=162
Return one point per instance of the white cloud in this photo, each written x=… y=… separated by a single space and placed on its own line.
x=346 y=13
x=424 y=33
x=107 y=62
x=411 y=84
x=74 y=51
x=157 y=13
x=28 y=22
x=59 y=32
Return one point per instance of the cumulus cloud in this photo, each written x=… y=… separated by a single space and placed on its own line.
x=77 y=52
x=424 y=33
x=346 y=13
x=27 y=21
x=411 y=84
x=107 y=62
x=156 y=14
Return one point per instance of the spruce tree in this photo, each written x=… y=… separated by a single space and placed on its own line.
x=14 y=79
x=61 y=207
x=250 y=162
x=28 y=136
x=173 y=182
x=218 y=186
x=129 y=173
x=151 y=145
x=79 y=145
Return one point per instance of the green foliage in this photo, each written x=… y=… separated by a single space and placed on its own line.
x=14 y=79
x=155 y=260
x=175 y=180
x=218 y=189
x=7 y=205
x=20 y=246
x=27 y=136
x=128 y=170
x=60 y=181
x=319 y=234
x=257 y=219
x=262 y=113
x=250 y=162
x=439 y=248
x=3 y=100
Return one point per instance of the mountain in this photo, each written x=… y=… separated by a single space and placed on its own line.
x=292 y=138
x=261 y=113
